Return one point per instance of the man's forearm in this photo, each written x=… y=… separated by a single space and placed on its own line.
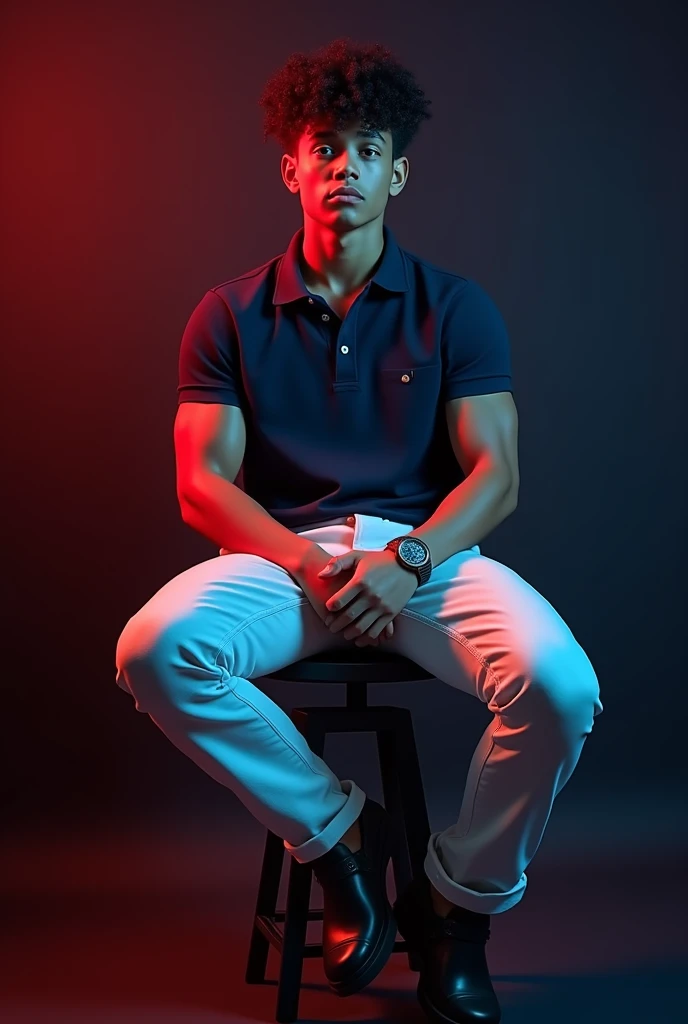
x=230 y=518
x=468 y=513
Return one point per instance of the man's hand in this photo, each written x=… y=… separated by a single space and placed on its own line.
x=319 y=589
x=376 y=593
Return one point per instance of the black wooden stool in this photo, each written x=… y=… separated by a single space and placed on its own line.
x=403 y=798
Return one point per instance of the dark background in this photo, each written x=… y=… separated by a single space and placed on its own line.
x=135 y=177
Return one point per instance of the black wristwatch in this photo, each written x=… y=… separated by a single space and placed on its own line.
x=414 y=554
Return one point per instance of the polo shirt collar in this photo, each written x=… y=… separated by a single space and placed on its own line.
x=289 y=285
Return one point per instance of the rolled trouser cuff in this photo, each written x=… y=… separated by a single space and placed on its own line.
x=316 y=846
x=463 y=896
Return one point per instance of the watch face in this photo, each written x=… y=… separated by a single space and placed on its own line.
x=412 y=552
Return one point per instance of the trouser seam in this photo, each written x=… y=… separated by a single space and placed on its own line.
x=237 y=629
x=241 y=697
x=463 y=640
x=292 y=602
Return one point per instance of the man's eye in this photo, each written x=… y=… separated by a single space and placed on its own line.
x=368 y=149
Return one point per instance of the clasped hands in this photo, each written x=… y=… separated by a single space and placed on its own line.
x=375 y=594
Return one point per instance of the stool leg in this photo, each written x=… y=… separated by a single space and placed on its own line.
x=388 y=755
x=412 y=794
x=266 y=906
x=293 y=941
x=298 y=896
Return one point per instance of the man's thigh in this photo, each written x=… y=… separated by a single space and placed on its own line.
x=479 y=626
x=236 y=614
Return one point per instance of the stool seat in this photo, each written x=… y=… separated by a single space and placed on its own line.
x=403 y=798
x=358 y=665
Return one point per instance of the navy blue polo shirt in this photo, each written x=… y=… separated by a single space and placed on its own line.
x=345 y=416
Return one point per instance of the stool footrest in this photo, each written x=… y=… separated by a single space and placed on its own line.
x=281 y=915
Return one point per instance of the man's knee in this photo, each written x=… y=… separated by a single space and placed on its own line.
x=567 y=690
x=143 y=650
x=166 y=664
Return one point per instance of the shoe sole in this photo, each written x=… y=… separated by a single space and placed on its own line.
x=434 y=1015
x=431 y=1012
x=385 y=944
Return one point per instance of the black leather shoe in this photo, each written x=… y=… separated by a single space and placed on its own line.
x=449 y=952
x=359 y=930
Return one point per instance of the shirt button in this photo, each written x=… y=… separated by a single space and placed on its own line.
x=344 y=349
x=325 y=316
x=311 y=301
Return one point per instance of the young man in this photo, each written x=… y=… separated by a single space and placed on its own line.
x=366 y=396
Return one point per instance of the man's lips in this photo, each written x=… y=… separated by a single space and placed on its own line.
x=345 y=190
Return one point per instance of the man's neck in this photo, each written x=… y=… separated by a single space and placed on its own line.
x=340 y=263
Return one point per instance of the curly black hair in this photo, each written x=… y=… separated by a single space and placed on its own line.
x=341 y=83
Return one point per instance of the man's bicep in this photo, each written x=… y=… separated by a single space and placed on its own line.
x=484 y=428
x=208 y=438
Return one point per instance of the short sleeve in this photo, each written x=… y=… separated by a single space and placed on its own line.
x=475 y=345
x=208 y=355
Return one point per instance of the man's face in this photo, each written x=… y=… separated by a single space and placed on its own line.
x=355 y=157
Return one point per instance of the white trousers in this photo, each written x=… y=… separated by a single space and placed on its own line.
x=188 y=655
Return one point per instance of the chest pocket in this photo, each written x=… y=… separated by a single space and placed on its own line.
x=409 y=400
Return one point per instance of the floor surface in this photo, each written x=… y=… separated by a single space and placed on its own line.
x=148 y=922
